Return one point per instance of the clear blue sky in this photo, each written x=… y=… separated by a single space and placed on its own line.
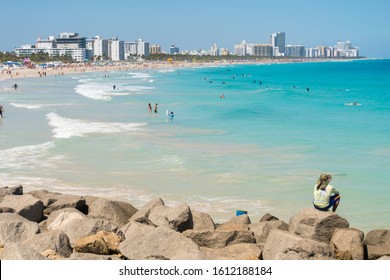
x=197 y=24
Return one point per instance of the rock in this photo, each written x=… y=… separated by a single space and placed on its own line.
x=378 y=243
x=18 y=190
x=282 y=245
x=142 y=216
x=348 y=244
x=202 y=221
x=15 y=251
x=268 y=217
x=262 y=229
x=56 y=241
x=219 y=239
x=14 y=228
x=317 y=225
x=92 y=257
x=243 y=251
x=67 y=201
x=144 y=241
x=52 y=255
x=101 y=243
x=236 y=223
x=178 y=218
x=7 y=210
x=77 y=225
x=115 y=211
x=45 y=196
x=91 y=244
x=26 y=206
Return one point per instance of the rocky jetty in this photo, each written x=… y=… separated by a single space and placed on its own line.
x=43 y=225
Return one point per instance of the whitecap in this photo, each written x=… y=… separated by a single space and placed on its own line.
x=67 y=128
x=27 y=106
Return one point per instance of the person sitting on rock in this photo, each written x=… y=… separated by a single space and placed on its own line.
x=325 y=195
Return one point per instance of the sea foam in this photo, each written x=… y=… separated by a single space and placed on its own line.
x=67 y=128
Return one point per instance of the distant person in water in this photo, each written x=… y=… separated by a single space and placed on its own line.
x=1 y=111
x=325 y=195
x=155 y=108
x=150 y=107
x=113 y=87
x=15 y=86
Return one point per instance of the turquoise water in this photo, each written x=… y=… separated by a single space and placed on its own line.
x=259 y=149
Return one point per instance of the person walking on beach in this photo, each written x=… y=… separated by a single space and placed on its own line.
x=1 y=111
x=325 y=195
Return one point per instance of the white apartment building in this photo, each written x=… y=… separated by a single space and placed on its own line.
x=262 y=50
x=240 y=49
x=295 y=51
x=116 y=49
x=137 y=48
x=154 y=49
x=214 y=51
x=278 y=40
x=100 y=48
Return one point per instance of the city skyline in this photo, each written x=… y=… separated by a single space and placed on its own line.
x=200 y=24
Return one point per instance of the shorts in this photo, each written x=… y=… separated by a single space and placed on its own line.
x=332 y=201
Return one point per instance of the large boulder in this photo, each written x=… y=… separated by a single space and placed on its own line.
x=236 y=223
x=14 y=228
x=17 y=190
x=378 y=243
x=178 y=218
x=45 y=196
x=76 y=224
x=262 y=229
x=56 y=241
x=317 y=225
x=282 y=245
x=242 y=251
x=347 y=243
x=202 y=221
x=25 y=205
x=149 y=242
x=117 y=212
x=142 y=216
x=219 y=238
x=67 y=201
x=15 y=251
x=101 y=243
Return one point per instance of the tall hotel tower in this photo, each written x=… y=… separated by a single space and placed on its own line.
x=278 y=40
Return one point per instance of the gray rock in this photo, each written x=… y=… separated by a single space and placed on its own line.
x=348 y=241
x=268 y=217
x=55 y=240
x=142 y=216
x=202 y=221
x=282 y=245
x=45 y=196
x=262 y=229
x=15 y=251
x=77 y=225
x=67 y=201
x=144 y=241
x=242 y=251
x=14 y=228
x=178 y=218
x=26 y=206
x=219 y=239
x=317 y=225
x=116 y=212
x=17 y=190
x=92 y=257
x=378 y=243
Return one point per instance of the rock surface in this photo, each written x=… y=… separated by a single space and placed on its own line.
x=43 y=225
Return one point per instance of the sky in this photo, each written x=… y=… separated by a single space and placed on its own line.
x=198 y=24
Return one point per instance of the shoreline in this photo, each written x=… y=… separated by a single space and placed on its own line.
x=24 y=72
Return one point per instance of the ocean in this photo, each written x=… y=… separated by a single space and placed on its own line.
x=243 y=137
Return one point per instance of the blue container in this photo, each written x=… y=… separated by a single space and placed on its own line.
x=241 y=212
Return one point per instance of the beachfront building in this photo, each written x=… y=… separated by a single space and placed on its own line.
x=116 y=49
x=136 y=48
x=142 y=48
x=345 y=49
x=241 y=49
x=154 y=49
x=214 y=51
x=295 y=51
x=173 y=50
x=48 y=43
x=224 y=52
x=100 y=48
x=278 y=42
x=262 y=50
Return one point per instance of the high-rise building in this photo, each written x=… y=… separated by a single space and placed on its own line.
x=262 y=50
x=173 y=50
x=100 y=48
x=117 y=49
x=154 y=49
x=142 y=48
x=214 y=50
x=295 y=51
x=278 y=40
x=240 y=49
x=68 y=40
